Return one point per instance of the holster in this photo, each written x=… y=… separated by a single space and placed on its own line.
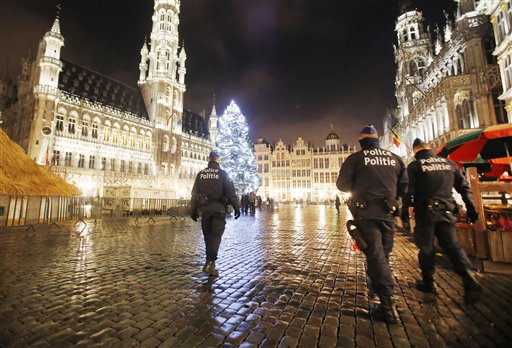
x=392 y=205
x=437 y=205
x=356 y=234
x=205 y=199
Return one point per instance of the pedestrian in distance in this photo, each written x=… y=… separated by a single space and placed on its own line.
x=376 y=179
x=337 y=203
x=212 y=192
x=431 y=183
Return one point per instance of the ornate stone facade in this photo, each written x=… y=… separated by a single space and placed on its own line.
x=300 y=172
x=97 y=132
x=446 y=85
x=501 y=20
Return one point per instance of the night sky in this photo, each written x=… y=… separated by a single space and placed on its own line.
x=293 y=66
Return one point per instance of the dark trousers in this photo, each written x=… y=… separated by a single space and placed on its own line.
x=444 y=231
x=379 y=236
x=213 y=227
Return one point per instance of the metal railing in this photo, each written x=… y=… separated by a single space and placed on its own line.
x=35 y=210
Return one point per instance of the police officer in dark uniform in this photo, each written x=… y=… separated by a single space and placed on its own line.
x=376 y=179
x=432 y=179
x=212 y=191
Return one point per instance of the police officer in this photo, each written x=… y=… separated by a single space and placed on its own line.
x=376 y=178
x=212 y=191
x=432 y=179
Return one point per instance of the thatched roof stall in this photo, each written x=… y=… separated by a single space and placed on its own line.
x=21 y=176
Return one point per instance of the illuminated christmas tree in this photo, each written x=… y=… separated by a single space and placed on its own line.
x=235 y=149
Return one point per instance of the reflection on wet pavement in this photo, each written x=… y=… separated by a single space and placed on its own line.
x=287 y=278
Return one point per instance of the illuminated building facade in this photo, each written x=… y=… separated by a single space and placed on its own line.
x=446 y=85
x=97 y=132
x=500 y=12
x=300 y=172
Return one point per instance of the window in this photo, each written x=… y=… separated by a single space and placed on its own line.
x=85 y=128
x=71 y=126
x=322 y=179
x=112 y=164
x=94 y=132
x=55 y=158
x=501 y=28
x=146 y=169
x=266 y=157
x=265 y=168
x=148 y=143
x=141 y=141
x=315 y=163
x=106 y=133
x=103 y=163
x=67 y=159
x=508 y=72
x=132 y=140
x=130 y=167
x=326 y=163
x=59 y=126
x=334 y=177
x=81 y=160
x=125 y=138
x=114 y=136
x=259 y=158
x=123 y=166
x=92 y=160
x=139 y=168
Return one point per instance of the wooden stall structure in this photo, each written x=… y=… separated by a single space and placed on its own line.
x=490 y=238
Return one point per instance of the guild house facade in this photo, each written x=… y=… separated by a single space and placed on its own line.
x=103 y=135
x=300 y=172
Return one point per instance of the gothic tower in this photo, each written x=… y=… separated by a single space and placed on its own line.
x=213 y=124
x=162 y=83
x=45 y=83
x=412 y=55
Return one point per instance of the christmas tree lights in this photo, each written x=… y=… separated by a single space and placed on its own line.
x=235 y=149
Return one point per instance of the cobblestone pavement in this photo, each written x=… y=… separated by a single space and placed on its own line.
x=287 y=278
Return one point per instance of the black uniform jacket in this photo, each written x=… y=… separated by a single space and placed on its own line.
x=371 y=175
x=213 y=189
x=433 y=178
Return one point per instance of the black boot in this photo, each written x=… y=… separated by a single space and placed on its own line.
x=209 y=267
x=472 y=290
x=372 y=294
x=386 y=310
x=426 y=285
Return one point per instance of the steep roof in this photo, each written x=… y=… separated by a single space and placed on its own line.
x=195 y=124
x=85 y=83
x=20 y=175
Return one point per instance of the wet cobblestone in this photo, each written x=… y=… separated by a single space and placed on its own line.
x=288 y=278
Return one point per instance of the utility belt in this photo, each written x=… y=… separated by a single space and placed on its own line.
x=437 y=205
x=390 y=205
x=204 y=199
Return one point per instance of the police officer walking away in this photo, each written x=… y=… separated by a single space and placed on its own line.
x=212 y=191
x=432 y=179
x=376 y=178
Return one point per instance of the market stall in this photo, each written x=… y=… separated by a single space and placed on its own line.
x=485 y=157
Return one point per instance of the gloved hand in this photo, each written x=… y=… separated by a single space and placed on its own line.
x=472 y=216
x=237 y=214
x=194 y=216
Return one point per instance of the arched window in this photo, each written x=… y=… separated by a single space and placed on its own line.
x=71 y=125
x=161 y=21
x=414 y=33
x=412 y=68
